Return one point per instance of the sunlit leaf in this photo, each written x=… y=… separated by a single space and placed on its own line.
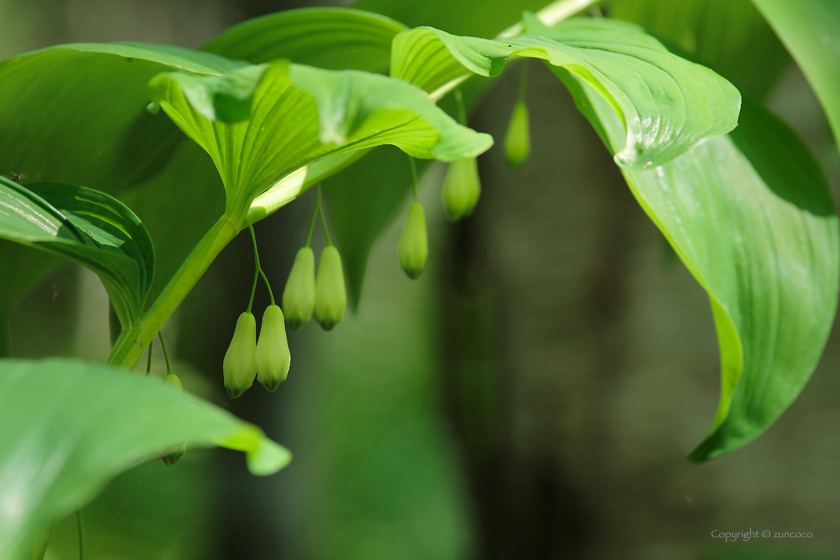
x=810 y=29
x=87 y=226
x=68 y=427
x=302 y=114
x=751 y=216
x=667 y=104
x=728 y=36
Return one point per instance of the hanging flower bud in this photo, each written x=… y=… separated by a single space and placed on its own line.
x=330 y=296
x=461 y=189
x=273 y=357
x=414 y=244
x=517 y=139
x=173 y=380
x=240 y=361
x=299 y=295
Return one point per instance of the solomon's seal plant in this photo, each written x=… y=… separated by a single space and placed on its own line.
x=273 y=126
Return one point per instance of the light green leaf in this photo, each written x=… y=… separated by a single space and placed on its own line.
x=302 y=114
x=68 y=427
x=331 y=38
x=88 y=227
x=728 y=36
x=810 y=29
x=751 y=216
x=666 y=104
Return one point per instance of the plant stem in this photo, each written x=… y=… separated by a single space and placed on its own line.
x=323 y=218
x=462 y=110
x=414 y=175
x=523 y=81
x=165 y=353
x=149 y=359
x=130 y=344
x=314 y=216
x=257 y=262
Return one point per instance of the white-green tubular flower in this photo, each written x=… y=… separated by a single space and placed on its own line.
x=518 y=138
x=240 y=365
x=299 y=294
x=414 y=243
x=273 y=357
x=330 y=295
x=461 y=189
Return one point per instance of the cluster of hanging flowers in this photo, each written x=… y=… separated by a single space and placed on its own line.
x=268 y=360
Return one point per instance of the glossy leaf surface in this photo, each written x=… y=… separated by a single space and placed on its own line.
x=729 y=36
x=87 y=226
x=666 y=104
x=810 y=29
x=68 y=427
x=331 y=38
x=751 y=216
x=302 y=114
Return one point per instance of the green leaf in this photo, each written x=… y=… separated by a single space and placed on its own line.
x=810 y=29
x=68 y=427
x=331 y=38
x=728 y=36
x=302 y=114
x=667 y=104
x=481 y=18
x=751 y=216
x=88 y=227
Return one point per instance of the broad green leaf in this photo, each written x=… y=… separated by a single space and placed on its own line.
x=68 y=427
x=302 y=114
x=810 y=29
x=481 y=18
x=89 y=227
x=667 y=104
x=751 y=216
x=76 y=114
x=331 y=38
x=728 y=36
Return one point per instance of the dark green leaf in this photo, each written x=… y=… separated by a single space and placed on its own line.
x=68 y=427
x=810 y=29
x=751 y=216
x=667 y=104
x=89 y=227
x=332 y=38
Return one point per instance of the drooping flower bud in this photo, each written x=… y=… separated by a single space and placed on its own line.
x=414 y=243
x=273 y=357
x=518 y=138
x=330 y=296
x=461 y=189
x=240 y=366
x=299 y=295
x=173 y=380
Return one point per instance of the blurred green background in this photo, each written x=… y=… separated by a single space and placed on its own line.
x=532 y=396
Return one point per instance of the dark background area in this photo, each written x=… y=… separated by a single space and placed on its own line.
x=532 y=396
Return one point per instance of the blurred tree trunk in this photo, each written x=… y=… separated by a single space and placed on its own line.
x=522 y=368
